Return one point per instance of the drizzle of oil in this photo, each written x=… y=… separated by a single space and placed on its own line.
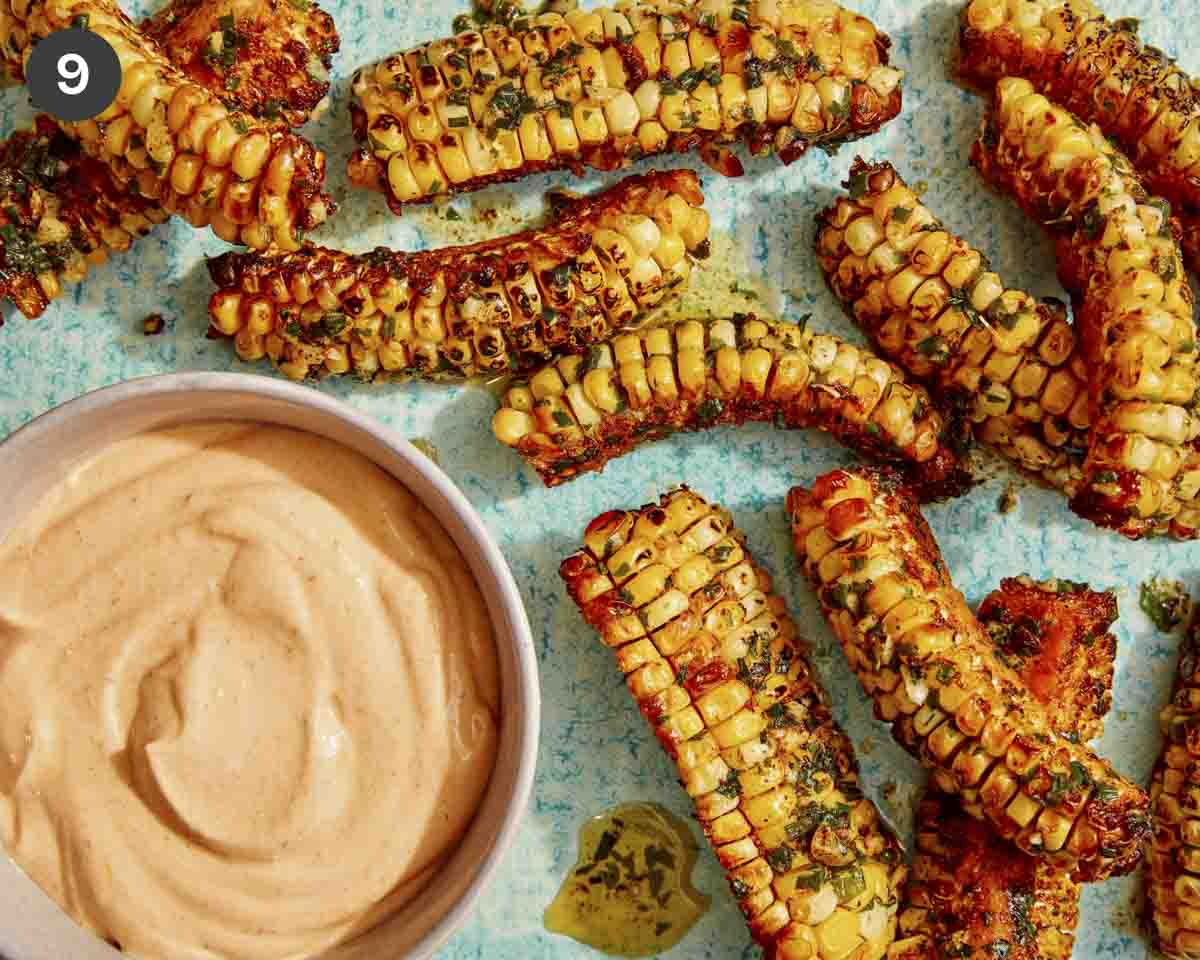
x=724 y=284
x=630 y=893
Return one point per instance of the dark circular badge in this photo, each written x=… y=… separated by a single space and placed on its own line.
x=73 y=75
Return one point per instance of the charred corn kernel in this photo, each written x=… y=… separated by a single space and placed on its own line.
x=971 y=892
x=504 y=306
x=65 y=211
x=1102 y=72
x=774 y=780
x=926 y=301
x=1173 y=872
x=852 y=524
x=160 y=119
x=663 y=386
x=1138 y=323
x=833 y=84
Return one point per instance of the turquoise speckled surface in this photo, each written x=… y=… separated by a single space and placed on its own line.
x=596 y=750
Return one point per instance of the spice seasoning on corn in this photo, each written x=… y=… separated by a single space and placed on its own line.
x=268 y=60
x=1118 y=254
x=928 y=665
x=580 y=412
x=498 y=307
x=713 y=660
x=604 y=87
x=60 y=214
x=930 y=303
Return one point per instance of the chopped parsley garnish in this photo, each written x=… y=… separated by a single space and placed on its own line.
x=731 y=786
x=1165 y=602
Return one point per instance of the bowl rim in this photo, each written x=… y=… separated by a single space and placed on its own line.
x=517 y=628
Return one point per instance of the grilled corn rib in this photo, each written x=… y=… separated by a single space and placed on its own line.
x=579 y=412
x=267 y=59
x=971 y=894
x=1101 y=71
x=930 y=303
x=60 y=213
x=714 y=662
x=604 y=87
x=1119 y=256
x=175 y=142
x=63 y=208
x=1173 y=881
x=928 y=665
x=502 y=306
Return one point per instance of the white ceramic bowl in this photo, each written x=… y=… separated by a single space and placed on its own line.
x=36 y=456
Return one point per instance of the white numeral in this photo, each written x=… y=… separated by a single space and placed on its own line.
x=71 y=66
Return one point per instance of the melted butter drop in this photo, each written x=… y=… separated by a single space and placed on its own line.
x=630 y=893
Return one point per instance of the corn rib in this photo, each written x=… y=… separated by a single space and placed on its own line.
x=1119 y=256
x=60 y=209
x=971 y=893
x=176 y=143
x=580 y=412
x=930 y=303
x=1173 y=874
x=604 y=87
x=714 y=662
x=503 y=306
x=926 y=662
x=1099 y=70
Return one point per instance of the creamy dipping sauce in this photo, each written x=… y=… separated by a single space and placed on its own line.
x=249 y=697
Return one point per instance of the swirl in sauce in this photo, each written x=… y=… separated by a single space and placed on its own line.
x=250 y=693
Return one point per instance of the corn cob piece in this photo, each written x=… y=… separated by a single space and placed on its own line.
x=714 y=662
x=60 y=209
x=268 y=60
x=502 y=306
x=579 y=412
x=604 y=87
x=1173 y=874
x=970 y=893
x=931 y=304
x=1099 y=70
x=176 y=143
x=60 y=213
x=1119 y=256
x=927 y=663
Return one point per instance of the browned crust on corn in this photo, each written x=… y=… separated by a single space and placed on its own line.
x=1173 y=868
x=971 y=893
x=1058 y=636
x=174 y=142
x=928 y=665
x=549 y=92
x=1118 y=254
x=579 y=413
x=930 y=303
x=60 y=213
x=1099 y=70
x=270 y=61
x=497 y=307
x=715 y=664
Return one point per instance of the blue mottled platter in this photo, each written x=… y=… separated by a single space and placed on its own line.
x=596 y=750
